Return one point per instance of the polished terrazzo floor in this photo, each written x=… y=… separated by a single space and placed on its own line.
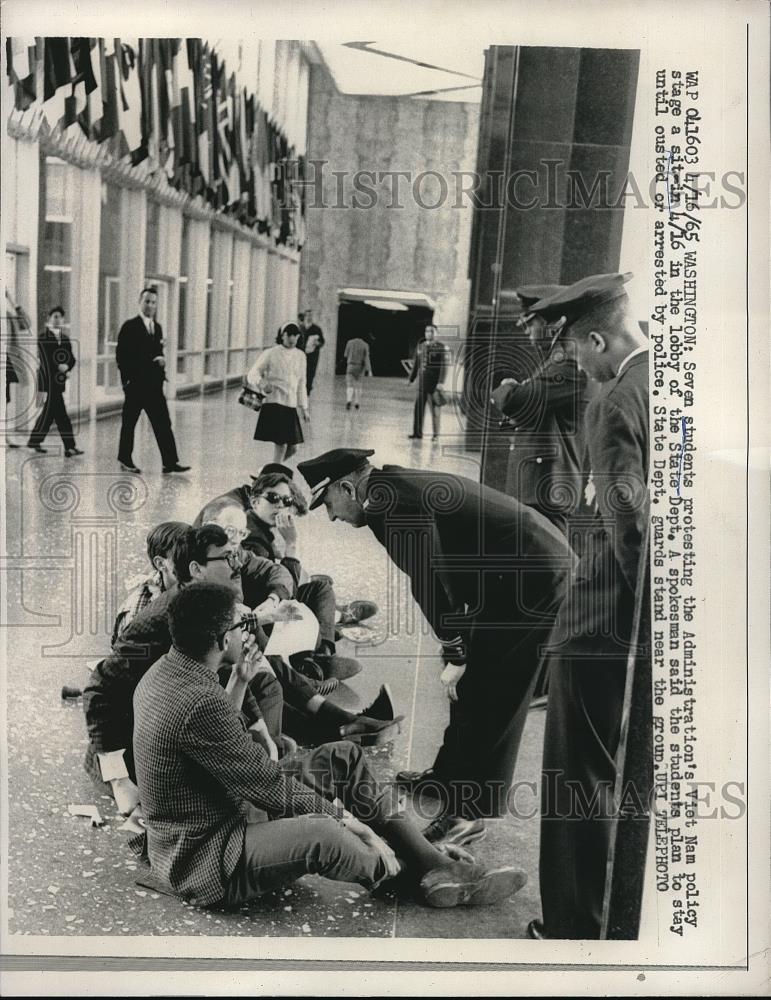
x=75 y=532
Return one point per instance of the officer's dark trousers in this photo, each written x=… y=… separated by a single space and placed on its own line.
x=153 y=402
x=53 y=410
x=479 y=753
x=582 y=732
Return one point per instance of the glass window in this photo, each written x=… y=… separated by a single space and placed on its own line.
x=56 y=248
x=184 y=271
x=152 y=236
x=111 y=240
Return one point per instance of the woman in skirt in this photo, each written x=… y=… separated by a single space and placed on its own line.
x=281 y=370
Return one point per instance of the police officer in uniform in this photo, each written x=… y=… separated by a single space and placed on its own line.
x=591 y=641
x=488 y=574
x=545 y=412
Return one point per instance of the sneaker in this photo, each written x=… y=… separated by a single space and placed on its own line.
x=382 y=707
x=341 y=667
x=324 y=688
x=448 y=829
x=466 y=884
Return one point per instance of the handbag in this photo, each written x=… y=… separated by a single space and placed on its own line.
x=251 y=397
x=438 y=397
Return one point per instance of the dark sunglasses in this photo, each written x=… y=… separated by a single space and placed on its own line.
x=275 y=498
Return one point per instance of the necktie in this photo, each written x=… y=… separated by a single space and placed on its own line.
x=150 y=327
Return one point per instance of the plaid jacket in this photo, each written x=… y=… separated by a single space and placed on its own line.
x=141 y=592
x=197 y=771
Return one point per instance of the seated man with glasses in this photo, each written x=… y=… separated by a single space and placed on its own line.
x=272 y=533
x=274 y=508
x=206 y=555
x=225 y=823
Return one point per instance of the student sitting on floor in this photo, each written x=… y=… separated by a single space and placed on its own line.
x=319 y=659
x=205 y=555
x=225 y=823
x=261 y=538
x=142 y=591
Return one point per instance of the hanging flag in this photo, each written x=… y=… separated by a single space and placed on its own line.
x=84 y=84
x=130 y=104
x=21 y=63
x=57 y=75
x=203 y=118
x=109 y=124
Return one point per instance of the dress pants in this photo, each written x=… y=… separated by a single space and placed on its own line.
x=53 y=410
x=277 y=852
x=582 y=732
x=153 y=402
x=425 y=395
x=476 y=761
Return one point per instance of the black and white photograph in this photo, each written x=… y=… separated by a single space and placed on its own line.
x=384 y=459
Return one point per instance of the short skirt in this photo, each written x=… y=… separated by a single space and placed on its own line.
x=278 y=424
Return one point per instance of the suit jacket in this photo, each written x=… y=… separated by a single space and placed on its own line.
x=51 y=354
x=135 y=353
x=464 y=546
x=546 y=412
x=596 y=616
x=429 y=365
x=197 y=771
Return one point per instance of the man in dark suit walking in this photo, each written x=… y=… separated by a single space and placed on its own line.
x=56 y=362
x=429 y=369
x=141 y=365
x=594 y=632
x=488 y=574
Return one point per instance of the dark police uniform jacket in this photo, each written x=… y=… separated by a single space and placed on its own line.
x=461 y=544
x=596 y=616
x=546 y=413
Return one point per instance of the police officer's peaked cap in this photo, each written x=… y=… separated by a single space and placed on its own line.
x=320 y=472
x=580 y=298
x=530 y=294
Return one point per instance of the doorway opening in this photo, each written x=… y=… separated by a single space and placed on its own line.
x=391 y=322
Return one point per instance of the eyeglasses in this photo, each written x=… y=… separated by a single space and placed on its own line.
x=234 y=559
x=235 y=534
x=275 y=498
x=242 y=623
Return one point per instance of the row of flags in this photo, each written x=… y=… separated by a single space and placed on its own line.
x=170 y=102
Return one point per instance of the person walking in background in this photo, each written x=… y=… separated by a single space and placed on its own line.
x=311 y=341
x=141 y=364
x=358 y=366
x=428 y=369
x=56 y=363
x=282 y=370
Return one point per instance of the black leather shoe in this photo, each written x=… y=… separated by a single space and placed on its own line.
x=535 y=930
x=382 y=707
x=37 y=447
x=129 y=467
x=70 y=452
x=446 y=829
x=414 y=437
x=176 y=468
